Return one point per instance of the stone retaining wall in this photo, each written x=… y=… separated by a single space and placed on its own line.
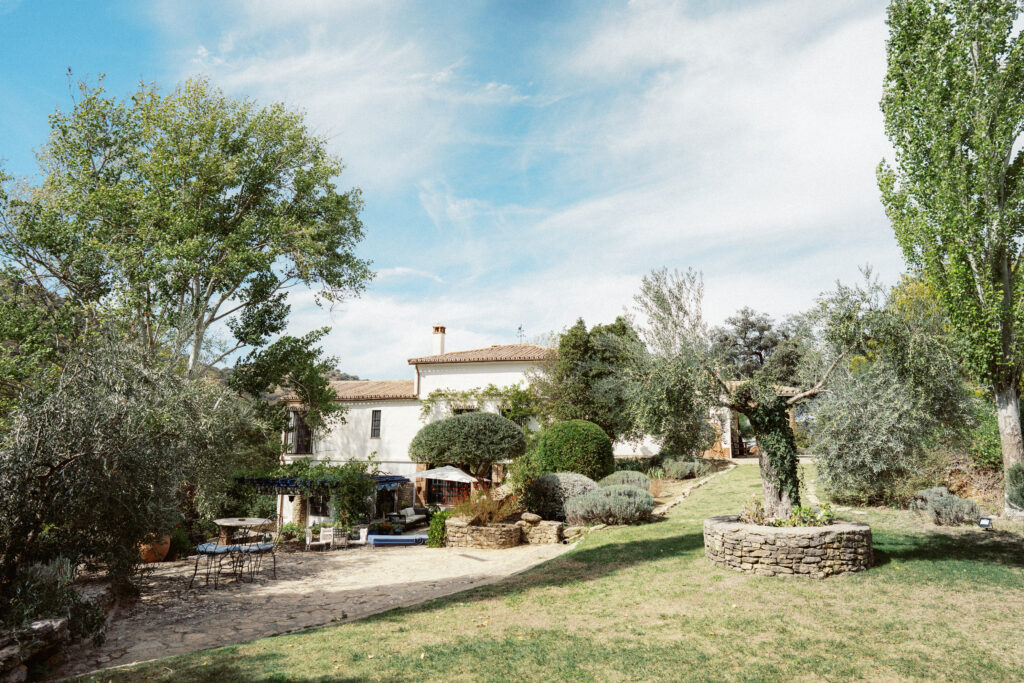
x=787 y=551
x=540 y=532
x=462 y=535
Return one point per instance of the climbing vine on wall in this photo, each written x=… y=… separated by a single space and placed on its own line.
x=516 y=402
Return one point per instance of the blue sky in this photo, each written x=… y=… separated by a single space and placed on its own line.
x=525 y=163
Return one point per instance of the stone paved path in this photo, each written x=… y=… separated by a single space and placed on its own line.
x=311 y=589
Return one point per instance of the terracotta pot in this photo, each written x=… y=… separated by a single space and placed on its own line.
x=155 y=552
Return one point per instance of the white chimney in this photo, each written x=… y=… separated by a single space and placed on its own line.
x=438 y=340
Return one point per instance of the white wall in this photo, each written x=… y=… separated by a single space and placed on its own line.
x=399 y=422
x=647 y=446
x=463 y=376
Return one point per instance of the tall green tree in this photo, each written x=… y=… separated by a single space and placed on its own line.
x=953 y=102
x=581 y=382
x=185 y=213
x=186 y=210
x=746 y=341
x=666 y=379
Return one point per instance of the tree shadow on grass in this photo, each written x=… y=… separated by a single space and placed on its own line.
x=986 y=547
x=223 y=667
x=581 y=565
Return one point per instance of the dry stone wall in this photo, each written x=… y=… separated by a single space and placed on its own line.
x=463 y=535
x=787 y=551
x=540 y=532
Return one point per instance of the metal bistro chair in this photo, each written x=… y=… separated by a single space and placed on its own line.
x=214 y=553
x=259 y=546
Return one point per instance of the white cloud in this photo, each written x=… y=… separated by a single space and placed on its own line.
x=405 y=271
x=740 y=141
x=388 y=98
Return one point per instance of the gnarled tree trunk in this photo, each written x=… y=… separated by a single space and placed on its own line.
x=777 y=503
x=777 y=457
x=1008 y=409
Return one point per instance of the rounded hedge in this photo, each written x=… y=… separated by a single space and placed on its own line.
x=611 y=505
x=626 y=478
x=575 y=446
x=473 y=439
x=547 y=494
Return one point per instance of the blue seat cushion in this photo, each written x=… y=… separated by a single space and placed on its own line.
x=258 y=548
x=214 y=549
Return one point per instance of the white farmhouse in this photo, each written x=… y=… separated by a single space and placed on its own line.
x=383 y=416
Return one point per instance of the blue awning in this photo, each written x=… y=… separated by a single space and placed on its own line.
x=289 y=485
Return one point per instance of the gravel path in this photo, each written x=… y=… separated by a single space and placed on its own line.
x=311 y=589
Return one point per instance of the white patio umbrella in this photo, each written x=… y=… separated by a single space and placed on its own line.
x=446 y=473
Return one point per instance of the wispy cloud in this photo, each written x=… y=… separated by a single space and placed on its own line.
x=535 y=180
x=403 y=271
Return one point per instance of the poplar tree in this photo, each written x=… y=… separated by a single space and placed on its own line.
x=953 y=102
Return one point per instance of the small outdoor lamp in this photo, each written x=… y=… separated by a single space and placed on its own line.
x=985 y=522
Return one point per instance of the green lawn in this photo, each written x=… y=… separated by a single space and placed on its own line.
x=642 y=603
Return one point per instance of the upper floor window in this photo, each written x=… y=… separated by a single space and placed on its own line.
x=375 y=425
x=300 y=436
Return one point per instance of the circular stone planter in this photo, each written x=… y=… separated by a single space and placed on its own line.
x=815 y=551
x=462 y=535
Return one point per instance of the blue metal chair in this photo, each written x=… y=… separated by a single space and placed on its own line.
x=214 y=554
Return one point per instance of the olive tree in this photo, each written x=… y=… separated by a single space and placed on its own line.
x=690 y=380
x=901 y=392
x=93 y=463
x=954 y=112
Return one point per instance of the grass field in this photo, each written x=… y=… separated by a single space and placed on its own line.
x=642 y=603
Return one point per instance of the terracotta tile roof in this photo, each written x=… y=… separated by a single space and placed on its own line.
x=496 y=353
x=365 y=390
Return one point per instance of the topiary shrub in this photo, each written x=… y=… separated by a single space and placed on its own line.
x=626 y=478
x=438 y=534
x=548 y=493
x=476 y=440
x=944 y=508
x=610 y=505
x=1015 y=485
x=575 y=446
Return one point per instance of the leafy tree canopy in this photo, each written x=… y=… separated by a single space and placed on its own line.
x=182 y=211
x=581 y=384
x=955 y=191
x=476 y=440
x=747 y=341
x=97 y=461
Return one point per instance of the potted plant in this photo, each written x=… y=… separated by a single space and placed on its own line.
x=155 y=551
x=381 y=529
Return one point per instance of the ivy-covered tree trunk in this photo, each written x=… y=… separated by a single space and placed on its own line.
x=780 y=480
x=1008 y=408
